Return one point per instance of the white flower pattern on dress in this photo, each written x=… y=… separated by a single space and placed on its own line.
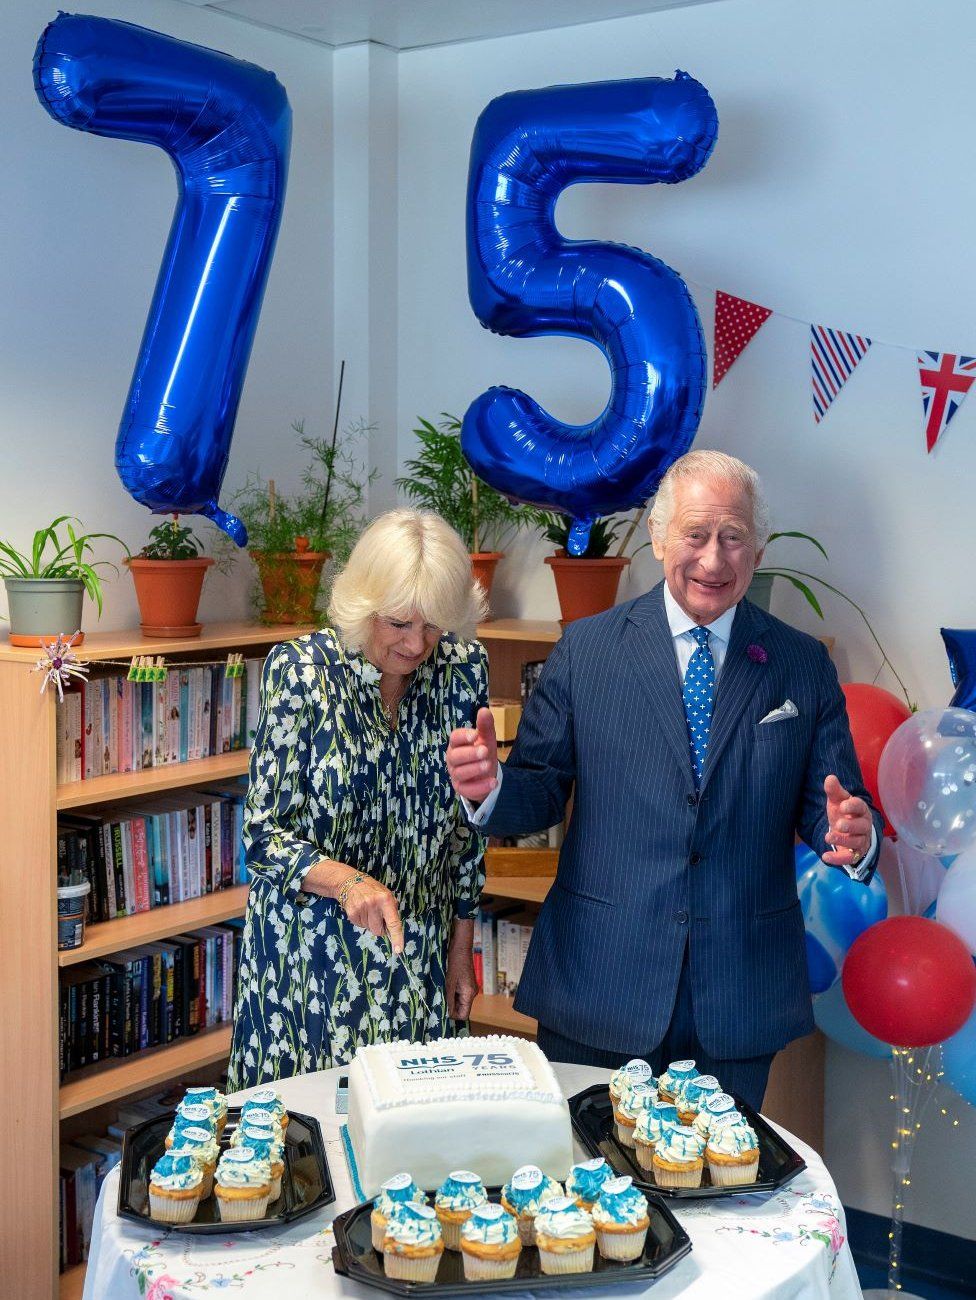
x=330 y=778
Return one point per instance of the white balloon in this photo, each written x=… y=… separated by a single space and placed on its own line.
x=956 y=903
x=927 y=780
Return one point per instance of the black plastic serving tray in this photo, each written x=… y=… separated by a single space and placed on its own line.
x=592 y=1114
x=306 y=1184
x=354 y=1257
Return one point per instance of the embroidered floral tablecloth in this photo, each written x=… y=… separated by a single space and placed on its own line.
x=786 y=1245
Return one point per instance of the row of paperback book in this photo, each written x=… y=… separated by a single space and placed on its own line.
x=146 y=996
x=85 y=1162
x=169 y=849
x=109 y=724
x=501 y=940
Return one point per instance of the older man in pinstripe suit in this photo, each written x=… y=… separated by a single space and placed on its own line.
x=699 y=734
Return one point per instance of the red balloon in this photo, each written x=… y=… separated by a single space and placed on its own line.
x=875 y=715
x=909 y=981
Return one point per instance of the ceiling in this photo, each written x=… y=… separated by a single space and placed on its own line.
x=412 y=24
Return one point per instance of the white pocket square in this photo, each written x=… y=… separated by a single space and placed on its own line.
x=786 y=710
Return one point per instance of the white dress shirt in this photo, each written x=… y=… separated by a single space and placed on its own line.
x=685 y=645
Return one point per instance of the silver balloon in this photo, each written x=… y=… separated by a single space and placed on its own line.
x=927 y=780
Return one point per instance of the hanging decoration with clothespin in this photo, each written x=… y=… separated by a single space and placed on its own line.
x=234 y=666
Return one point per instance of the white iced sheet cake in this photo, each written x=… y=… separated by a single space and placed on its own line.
x=486 y=1104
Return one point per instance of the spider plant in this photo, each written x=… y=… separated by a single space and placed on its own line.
x=50 y=557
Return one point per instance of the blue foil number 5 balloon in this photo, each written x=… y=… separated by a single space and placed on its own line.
x=227 y=127
x=525 y=280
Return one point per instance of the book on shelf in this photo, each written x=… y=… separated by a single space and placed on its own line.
x=78 y=1191
x=108 y=724
x=531 y=670
x=146 y=996
x=502 y=937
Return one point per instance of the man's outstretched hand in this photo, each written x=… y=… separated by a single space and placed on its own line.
x=850 y=825
x=472 y=758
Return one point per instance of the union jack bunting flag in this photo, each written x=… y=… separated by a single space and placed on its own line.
x=833 y=355
x=946 y=378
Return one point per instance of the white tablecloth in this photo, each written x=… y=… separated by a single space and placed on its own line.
x=783 y=1245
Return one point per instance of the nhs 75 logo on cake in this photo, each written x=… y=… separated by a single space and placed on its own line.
x=484 y=1062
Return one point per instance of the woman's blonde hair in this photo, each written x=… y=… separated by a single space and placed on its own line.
x=406 y=560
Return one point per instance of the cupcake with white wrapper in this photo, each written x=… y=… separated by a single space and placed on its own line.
x=490 y=1244
x=732 y=1152
x=677 y=1159
x=413 y=1244
x=201 y=1144
x=175 y=1183
x=398 y=1190
x=638 y=1098
x=621 y=1220
x=635 y=1071
x=242 y=1185
x=720 y=1103
x=565 y=1236
x=651 y=1126
x=191 y=1116
x=459 y=1194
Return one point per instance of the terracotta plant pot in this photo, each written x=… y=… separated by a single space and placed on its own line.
x=168 y=592
x=290 y=581
x=585 y=587
x=483 y=565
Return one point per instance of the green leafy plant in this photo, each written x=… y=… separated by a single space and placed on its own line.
x=52 y=557
x=800 y=579
x=439 y=478
x=170 y=541
x=604 y=533
x=329 y=509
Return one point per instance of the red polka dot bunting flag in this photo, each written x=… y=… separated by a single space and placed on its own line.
x=737 y=322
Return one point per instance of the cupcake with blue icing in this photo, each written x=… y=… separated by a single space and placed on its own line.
x=586 y=1180
x=201 y=1144
x=413 y=1244
x=266 y=1099
x=262 y=1117
x=732 y=1152
x=398 y=1190
x=635 y=1071
x=720 y=1103
x=678 y=1158
x=213 y=1099
x=691 y=1095
x=523 y=1195
x=651 y=1126
x=638 y=1098
x=565 y=1236
x=676 y=1073
x=459 y=1194
x=242 y=1185
x=191 y=1115
x=621 y=1220
x=490 y=1244
x=265 y=1145
x=175 y=1182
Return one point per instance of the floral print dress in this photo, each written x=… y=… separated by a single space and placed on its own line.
x=329 y=777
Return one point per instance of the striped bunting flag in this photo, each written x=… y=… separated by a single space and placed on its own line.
x=946 y=378
x=834 y=354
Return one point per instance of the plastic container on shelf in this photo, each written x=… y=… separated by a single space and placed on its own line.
x=72 y=906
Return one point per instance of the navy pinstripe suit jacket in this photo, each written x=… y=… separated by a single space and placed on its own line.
x=648 y=864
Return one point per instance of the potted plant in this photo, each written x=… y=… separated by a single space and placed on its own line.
x=292 y=536
x=587 y=584
x=439 y=478
x=46 y=587
x=760 y=593
x=168 y=574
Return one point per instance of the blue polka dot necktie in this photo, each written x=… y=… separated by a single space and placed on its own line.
x=698 y=692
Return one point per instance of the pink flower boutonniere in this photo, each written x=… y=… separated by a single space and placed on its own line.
x=757 y=654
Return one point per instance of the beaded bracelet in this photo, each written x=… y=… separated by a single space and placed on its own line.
x=343 y=893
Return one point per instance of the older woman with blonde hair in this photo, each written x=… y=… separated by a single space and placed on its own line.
x=365 y=874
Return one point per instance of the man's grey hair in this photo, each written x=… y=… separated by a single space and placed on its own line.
x=711 y=466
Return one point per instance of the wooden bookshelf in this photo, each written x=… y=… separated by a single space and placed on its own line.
x=158 y=923
x=139 y=785
x=523 y=889
x=494 y=1013
x=72 y=1283
x=111 y=1080
x=30 y=799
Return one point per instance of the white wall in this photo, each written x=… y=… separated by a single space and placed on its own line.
x=83 y=224
x=838 y=193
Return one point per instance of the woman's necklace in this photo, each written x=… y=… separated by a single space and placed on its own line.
x=391 y=706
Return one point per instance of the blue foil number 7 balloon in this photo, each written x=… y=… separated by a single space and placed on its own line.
x=227 y=127
x=525 y=280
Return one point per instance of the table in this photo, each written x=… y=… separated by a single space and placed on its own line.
x=780 y=1246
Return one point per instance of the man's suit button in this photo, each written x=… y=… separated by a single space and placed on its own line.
x=681 y=917
x=692 y=801
x=694 y=859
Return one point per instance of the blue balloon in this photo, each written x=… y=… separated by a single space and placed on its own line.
x=836 y=910
x=525 y=280
x=959 y=1061
x=227 y=127
x=960 y=644
x=833 y=1017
